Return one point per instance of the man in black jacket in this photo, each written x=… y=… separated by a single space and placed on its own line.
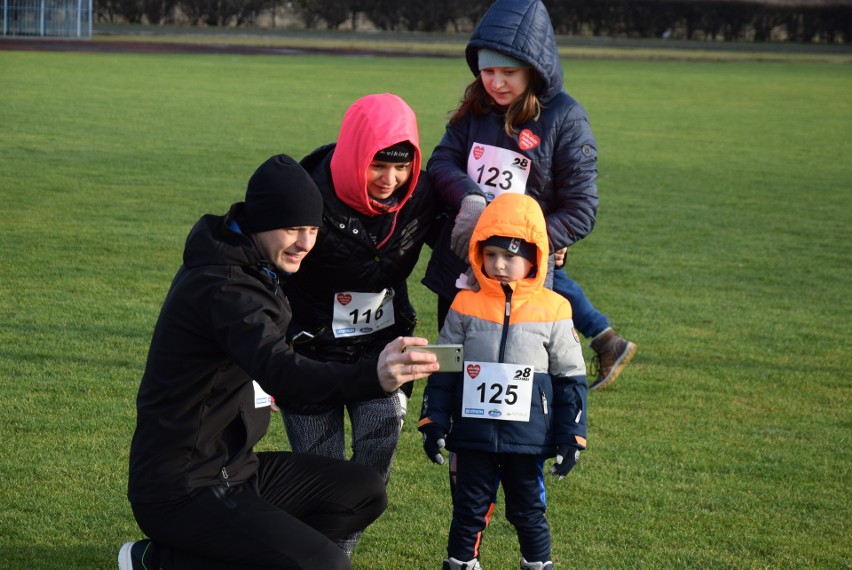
x=218 y=361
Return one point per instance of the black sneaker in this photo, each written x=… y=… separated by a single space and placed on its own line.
x=136 y=555
x=612 y=353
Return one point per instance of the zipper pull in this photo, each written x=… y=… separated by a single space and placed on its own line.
x=544 y=403
x=225 y=476
x=508 y=292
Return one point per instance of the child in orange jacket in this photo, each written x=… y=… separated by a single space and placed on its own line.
x=521 y=397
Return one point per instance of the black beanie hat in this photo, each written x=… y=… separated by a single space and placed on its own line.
x=400 y=152
x=281 y=194
x=517 y=246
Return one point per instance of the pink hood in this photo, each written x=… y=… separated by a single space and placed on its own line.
x=370 y=124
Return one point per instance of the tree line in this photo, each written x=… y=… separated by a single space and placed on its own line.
x=728 y=20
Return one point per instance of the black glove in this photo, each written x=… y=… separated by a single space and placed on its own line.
x=433 y=442
x=567 y=456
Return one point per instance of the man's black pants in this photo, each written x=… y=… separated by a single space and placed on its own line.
x=285 y=518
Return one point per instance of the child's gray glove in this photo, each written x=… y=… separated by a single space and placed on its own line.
x=467 y=280
x=567 y=456
x=471 y=208
x=433 y=442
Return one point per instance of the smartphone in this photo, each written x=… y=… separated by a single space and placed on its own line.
x=450 y=356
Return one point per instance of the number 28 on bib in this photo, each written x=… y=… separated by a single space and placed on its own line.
x=497 y=391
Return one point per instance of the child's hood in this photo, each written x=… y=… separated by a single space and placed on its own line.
x=517 y=216
x=521 y=29
x=371 y=124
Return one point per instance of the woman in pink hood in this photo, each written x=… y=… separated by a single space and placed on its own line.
x=350 y=296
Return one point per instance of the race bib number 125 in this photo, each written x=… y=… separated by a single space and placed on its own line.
x=497 y=391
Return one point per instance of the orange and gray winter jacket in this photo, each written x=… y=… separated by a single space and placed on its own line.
x=520 y=323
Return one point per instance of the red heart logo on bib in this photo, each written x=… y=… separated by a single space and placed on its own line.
x=344 y=298
x=527 y=140
x=478 y=151
x=473 y=370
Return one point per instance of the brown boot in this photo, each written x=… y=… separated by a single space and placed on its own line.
x=612 y=353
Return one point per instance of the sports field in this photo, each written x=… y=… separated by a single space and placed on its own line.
x=723 y=248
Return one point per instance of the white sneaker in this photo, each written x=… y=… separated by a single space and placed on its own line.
x=132 y=555
x=535 y=565
x=453 y=564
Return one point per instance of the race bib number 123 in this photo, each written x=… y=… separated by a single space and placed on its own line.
x=497 y=170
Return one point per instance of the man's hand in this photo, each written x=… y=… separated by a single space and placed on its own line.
x=396 y=367
x=471 y=208
x=566 y=458
x=433 y=442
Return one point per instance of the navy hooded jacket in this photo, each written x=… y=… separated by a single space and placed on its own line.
x=559 y=145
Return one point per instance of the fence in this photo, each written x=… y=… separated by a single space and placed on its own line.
x=47 y=18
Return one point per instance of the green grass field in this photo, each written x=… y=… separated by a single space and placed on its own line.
x=722 y=249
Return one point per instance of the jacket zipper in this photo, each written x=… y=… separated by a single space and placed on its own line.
x=501 y=356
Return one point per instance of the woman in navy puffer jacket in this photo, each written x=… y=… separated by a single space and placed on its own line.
x=539 y=144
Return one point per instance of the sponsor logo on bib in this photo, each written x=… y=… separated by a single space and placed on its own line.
x=473 y=370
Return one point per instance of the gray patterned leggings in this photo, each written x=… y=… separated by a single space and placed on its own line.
x=375 y=424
